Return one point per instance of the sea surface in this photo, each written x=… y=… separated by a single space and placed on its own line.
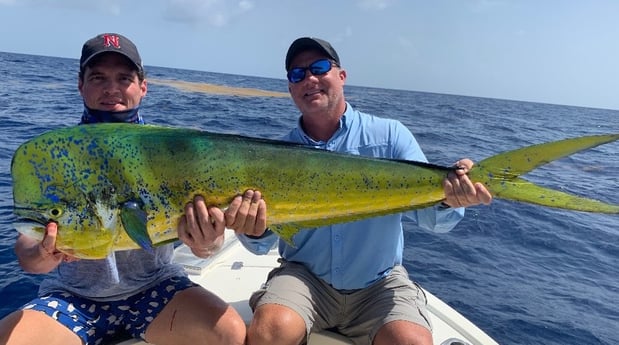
x=525 y=274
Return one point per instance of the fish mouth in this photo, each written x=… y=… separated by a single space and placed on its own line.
x=29 y=216
x=30 y=227
x=27 y=224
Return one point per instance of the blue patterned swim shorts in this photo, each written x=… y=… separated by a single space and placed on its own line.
x=96 y=322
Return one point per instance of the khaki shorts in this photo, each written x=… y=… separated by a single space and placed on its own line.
x=357 y=314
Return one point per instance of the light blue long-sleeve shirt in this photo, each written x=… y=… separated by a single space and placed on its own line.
x=354 y=255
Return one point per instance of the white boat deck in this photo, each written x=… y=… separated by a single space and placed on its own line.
x=234 y=273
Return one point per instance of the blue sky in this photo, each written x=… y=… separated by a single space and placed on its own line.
x=549 y=51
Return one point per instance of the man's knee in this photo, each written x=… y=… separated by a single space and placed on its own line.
x=276 y=324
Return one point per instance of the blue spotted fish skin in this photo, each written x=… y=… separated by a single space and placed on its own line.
x=121 y=186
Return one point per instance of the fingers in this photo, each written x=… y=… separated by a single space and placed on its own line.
x=49 y=240
x=460 y=191
x=47 y=247
x=247 y=214
x=217 y=217
x=483 y=193
x=464 y=166
x=232 y=212
x=201 y=228
x=187 y=225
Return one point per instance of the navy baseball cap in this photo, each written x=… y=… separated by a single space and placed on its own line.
x=110 y=42
x=310 y=43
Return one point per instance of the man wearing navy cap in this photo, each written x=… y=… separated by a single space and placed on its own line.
x=138 y=293
x=96 y=52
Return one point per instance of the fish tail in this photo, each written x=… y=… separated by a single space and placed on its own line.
x=501 y=174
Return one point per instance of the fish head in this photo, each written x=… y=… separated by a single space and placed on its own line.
x=87 y=228
x=52 y=184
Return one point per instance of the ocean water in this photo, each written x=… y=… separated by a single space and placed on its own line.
x=525 y=274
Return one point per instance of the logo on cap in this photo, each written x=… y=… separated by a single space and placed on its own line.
x=111 y=40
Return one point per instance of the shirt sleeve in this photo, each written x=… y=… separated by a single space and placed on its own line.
x=436 y=218
x=259 y=245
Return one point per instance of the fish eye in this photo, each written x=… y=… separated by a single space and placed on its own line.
x=55 y=212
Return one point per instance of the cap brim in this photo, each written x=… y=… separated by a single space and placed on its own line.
x=97 y=54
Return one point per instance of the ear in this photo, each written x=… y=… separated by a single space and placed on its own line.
x=144 y=87
x=80 y=85
x=342 y=74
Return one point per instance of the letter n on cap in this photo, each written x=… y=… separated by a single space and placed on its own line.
x=111 y=40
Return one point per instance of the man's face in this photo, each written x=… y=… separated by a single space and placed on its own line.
x=111 y=83
x=317 y=93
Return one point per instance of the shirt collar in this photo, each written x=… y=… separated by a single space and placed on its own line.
x=344 y=124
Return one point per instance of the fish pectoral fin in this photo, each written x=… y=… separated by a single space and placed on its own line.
x=525 y=191
x=285 y=232
x=134 y=222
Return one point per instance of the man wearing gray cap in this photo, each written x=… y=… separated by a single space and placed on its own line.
x=347 y=277
x=136 y=293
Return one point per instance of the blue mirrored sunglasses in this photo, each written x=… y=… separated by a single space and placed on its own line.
x=318 y=67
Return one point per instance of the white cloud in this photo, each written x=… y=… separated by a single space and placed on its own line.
x=246 y=5
x=482 y=6
x=375 y=4
x=211 y=12
x=110 y=7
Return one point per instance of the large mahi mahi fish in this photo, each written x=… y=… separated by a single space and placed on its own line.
x=120 y=186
